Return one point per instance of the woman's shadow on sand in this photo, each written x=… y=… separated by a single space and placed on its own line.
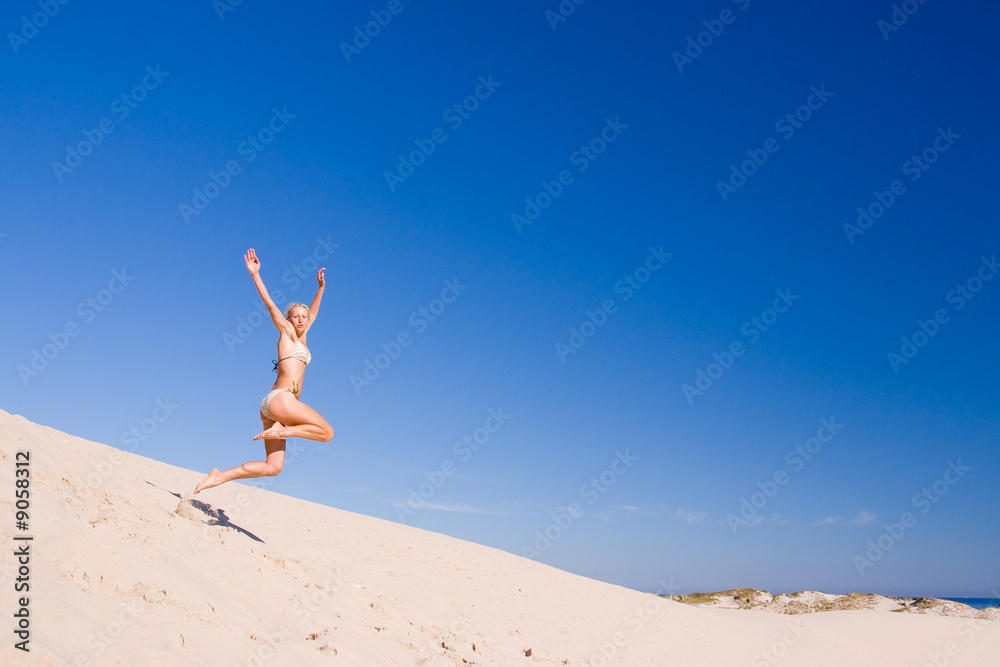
x=217 y=516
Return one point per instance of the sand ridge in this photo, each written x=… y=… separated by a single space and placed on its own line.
x=806 y=602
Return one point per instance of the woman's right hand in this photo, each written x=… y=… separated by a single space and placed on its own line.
x=253 y=264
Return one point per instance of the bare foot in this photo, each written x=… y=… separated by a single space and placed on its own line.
x=273 y=433
x=208 y=482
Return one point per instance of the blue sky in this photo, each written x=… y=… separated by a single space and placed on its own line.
x=691 y=198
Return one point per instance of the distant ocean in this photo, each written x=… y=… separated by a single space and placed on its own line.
x=978 y=603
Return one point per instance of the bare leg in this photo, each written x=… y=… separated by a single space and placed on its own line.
x=307 y=431
x=302 y=422
x=272 y=466
x=295 y=419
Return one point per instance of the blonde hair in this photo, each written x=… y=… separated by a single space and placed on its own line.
x=293 y=306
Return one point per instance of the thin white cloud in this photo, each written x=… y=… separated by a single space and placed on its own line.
x=864 y=517
x=456 y=507
x=688 y=516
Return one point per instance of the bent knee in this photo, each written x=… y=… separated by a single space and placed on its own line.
x=273 y=470
x=328 y=434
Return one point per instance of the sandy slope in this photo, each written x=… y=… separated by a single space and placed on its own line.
x=125 y=572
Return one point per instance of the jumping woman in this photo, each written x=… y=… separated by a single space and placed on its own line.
x=282 y=414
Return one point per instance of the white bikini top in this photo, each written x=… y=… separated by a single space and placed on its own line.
x=299 y=352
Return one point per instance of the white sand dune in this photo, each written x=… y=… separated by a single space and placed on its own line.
x=123 y=572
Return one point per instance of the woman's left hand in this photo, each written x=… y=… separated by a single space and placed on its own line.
x=319 y=277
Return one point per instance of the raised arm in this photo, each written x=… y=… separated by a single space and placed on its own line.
x=253 y=266
x=314 y=306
